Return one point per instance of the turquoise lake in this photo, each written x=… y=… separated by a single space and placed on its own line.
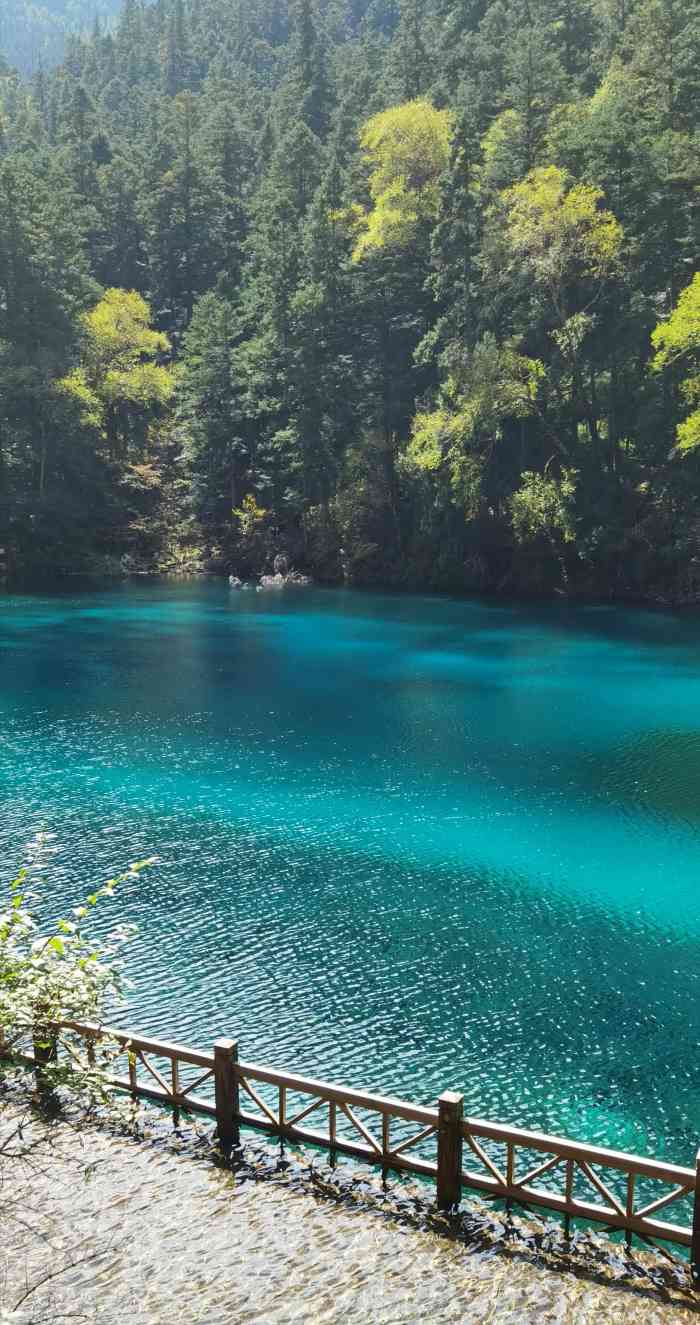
x=407 y=843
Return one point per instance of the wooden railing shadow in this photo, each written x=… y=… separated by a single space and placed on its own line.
x=513 y=1166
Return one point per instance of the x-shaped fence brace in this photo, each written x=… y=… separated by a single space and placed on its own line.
x=581 y=1163
x=282 y=1122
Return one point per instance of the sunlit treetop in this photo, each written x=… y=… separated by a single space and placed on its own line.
x=679 y=336
x=118 y=365
x=678 y=340
x=552 y=226
x=406 y=149
x=119 y=334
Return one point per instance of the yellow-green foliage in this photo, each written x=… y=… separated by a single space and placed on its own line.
x=499 y=135
x=494 y=384
x=678 y=339
x=249 y=515
x=542 y=506
x=597 y=114
x=497 y=383
x=406 y=149
x=552 y=226
x=501 y=146
x=436 y=432
x=117 y=368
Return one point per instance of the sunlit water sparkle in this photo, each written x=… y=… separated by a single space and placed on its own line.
x=407 y=843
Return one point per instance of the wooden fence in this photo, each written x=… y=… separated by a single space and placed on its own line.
x=507 y=1163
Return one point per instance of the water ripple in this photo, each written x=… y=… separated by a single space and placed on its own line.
x=410 y=844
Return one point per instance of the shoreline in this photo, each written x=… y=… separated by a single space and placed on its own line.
x=162 y=1229
x=55 y=579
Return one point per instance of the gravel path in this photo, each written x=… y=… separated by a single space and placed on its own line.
x=160 y=1234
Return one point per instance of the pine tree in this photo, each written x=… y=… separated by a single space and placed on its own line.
x=309 y=92
x=454 y=246
x=210 y=414
x=183 y=216
x=177 y=62
x=410 y=72
x=44 y=284
x=323 y=337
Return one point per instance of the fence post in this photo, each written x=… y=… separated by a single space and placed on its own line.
x=449 y=1164
x=695 y=1244
x=44 y=1043
x=226 y=1092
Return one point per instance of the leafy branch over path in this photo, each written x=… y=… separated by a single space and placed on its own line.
x=51 y=976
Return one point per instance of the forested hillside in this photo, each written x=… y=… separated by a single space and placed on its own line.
x=404 y=288
x=33 y=33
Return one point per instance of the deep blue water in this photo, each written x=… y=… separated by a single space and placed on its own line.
x=409 y=843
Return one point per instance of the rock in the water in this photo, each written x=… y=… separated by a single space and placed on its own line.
x=279 y=581
x=235 y=583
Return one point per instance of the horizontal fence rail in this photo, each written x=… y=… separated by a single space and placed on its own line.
x=576 y=1180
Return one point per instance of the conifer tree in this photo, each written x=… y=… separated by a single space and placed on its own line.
x=309 y=78
x=454 y=246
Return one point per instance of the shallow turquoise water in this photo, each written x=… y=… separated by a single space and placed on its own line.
x=409 y=843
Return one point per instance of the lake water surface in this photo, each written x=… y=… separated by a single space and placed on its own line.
x=409 y=843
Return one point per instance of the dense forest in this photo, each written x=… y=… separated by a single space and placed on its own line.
x=406 y=289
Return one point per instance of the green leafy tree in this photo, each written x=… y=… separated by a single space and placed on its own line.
x=558 y=231
x=57 y=973
x=323 y=330
x=120 y=258
x=677 y=341
x=406 y=150
x=561 y=251
x=118 y=384
x=487 y=392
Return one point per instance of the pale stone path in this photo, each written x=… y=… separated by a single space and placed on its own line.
x=168 y=1237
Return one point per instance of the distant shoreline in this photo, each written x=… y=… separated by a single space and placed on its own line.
x=40 y=581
